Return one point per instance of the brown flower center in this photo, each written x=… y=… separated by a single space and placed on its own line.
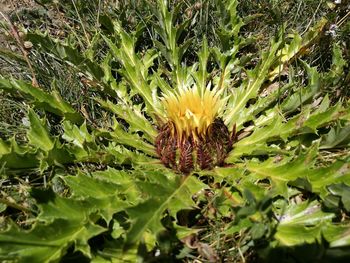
x=186 y=153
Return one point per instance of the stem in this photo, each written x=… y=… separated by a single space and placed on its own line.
x=14 y=205
x=14 y=33
x=81 y=22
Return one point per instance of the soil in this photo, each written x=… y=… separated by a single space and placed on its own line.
x=9 y=7
x=14 y=5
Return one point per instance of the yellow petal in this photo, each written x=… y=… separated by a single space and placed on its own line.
x=192 y=113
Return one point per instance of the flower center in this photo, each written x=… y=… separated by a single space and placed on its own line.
x=194 y=136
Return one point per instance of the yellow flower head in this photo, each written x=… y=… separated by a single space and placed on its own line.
x=194 y=136
x=191 y=112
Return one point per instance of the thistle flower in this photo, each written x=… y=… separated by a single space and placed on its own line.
x=194 y=134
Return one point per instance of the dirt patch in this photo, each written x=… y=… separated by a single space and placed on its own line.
x=11 y=7
x=7 y=6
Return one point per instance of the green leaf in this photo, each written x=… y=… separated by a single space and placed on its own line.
x=47 y=243
x=103 y=192
x=134 y=69
x=342 y=191
x=173 y=193
x=229 y=24
x=321 y=178
x=201 y=75
x=337 y=137
x=85 y=186
x=77 y=135
x=242 y=225
x=18 y=157
x=336 y=72
x=338 y=235
x=132 y=139
x=38 y=135
x=123 y=155
x=275 y=129
x=133 y=116
x=265 y=100
x=7 y=54
x=66 y=208
x=303 y=94
x=301 y=223
x=293 y=235
x=41 y=99
x=2 y=207
x=284 y=171
x=249 y=89
x=297 y=47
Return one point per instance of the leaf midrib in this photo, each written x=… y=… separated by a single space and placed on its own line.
x=162 y=207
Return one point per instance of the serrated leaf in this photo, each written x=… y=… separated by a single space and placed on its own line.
x=279 y=174
x=38 y=134
x=134 y=140
x=47 y=243
x=297 y=235
x=85 y=186
x=102 y=192
x=342 y=191
x=133 y=69
x=53 y=206
x=7 y=54
x=174 y=195
x=51 y=102
x=337 y=137
x=321 y=178
x=123 y=155
x=336 y=72
x=303 y=94
x=134 y=117
x=249 y=89
x=77 y=135
x=301 y=223
x=265 y=100
x=276 y=129
x=298 y=47
x=14 y=156
x=338 y=235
